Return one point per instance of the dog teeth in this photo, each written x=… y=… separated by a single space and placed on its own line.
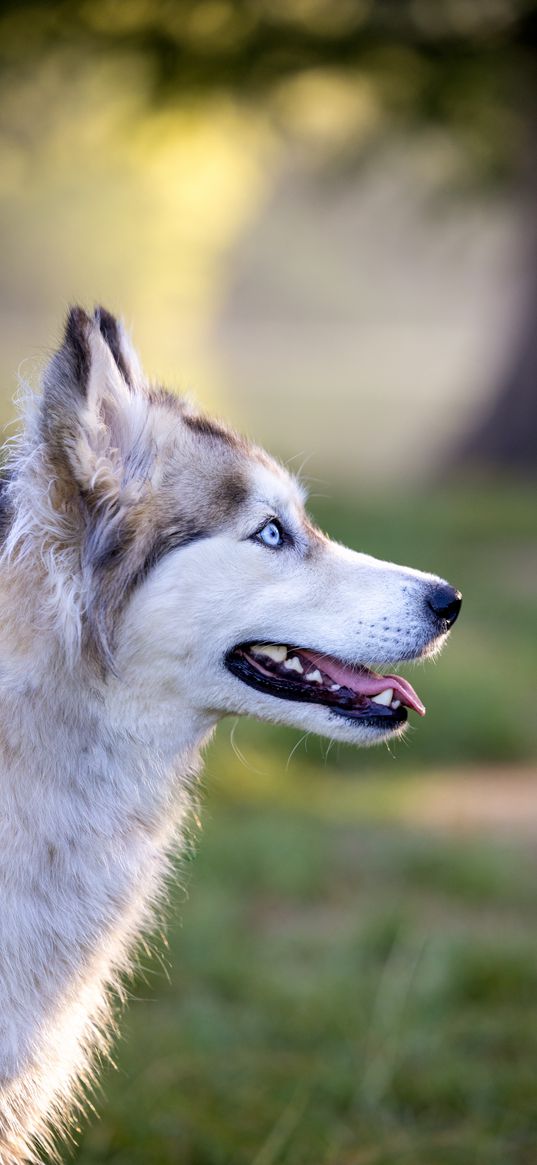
x=396 y=704
x=335 y=687
x=293 y=664
x=383 y=697
x=315 y=676
x=274 y=651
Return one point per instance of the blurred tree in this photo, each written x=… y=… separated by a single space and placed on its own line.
x=469 y=66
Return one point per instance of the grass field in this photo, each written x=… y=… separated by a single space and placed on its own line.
x=344 y=986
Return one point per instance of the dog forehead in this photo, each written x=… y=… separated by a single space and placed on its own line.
x=271 y=483
x=217 y=470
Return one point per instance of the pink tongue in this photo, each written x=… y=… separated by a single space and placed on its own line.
x=366 y=683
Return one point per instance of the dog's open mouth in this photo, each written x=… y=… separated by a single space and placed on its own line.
x=297 y=673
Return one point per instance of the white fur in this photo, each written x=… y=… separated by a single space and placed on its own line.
x=96 y=766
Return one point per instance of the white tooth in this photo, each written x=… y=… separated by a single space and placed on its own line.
x=335 y=687
x=293 y=664
x=274 y=651
x=315 y=676
x=396 y=704
x=383 y=697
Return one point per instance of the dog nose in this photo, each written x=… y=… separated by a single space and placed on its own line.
x=446 y=602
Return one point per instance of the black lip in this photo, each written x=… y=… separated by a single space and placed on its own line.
x=374 y=716
x=383 y=719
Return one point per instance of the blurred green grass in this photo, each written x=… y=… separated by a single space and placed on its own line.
x=343 y=987
x=339 y=993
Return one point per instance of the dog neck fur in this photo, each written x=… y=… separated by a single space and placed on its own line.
x=94 y=787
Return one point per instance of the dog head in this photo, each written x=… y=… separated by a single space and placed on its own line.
x=178 y=558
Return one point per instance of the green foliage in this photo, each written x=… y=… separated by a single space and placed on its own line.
x=470 y=67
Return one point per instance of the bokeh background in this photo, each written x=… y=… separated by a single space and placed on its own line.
x=320 y=218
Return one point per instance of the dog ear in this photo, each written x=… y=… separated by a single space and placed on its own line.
x=91 y=404
x=98 y=455
x=120 y=345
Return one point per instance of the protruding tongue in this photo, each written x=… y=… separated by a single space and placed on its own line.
x=365 y=682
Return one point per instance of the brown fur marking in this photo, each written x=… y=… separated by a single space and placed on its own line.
x=206 y=427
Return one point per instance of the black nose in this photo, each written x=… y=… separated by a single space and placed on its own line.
x=446 y=602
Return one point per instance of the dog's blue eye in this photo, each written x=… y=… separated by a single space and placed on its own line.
x=271 y=535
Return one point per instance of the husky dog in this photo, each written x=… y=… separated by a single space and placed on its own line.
x=157 y=572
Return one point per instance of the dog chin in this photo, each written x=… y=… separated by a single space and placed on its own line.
x=314 y=718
